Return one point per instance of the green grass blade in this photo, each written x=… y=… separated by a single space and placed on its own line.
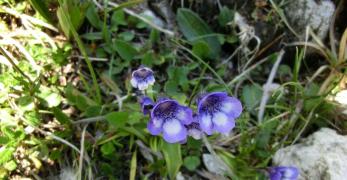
x=173 y=158
x=133 y=165
x=220 y=79
x=80 y=45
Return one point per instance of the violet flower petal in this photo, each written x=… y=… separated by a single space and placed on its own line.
x=174 y=131
x=172 y=117
x=284 y=173
x=217 y=112
x=154 y=126
x=142 y=78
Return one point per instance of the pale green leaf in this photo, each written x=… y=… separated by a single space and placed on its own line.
x=173 y=158
x=251 y=95
x=191 y=162
x=195 y=29
x=6 y=154
x=117 y=119
x=125 y=50
x=201 y=49
x=107 y=148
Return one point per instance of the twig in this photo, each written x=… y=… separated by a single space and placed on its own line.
x=299 y=105
x=305 y=125
x=4 y=61
x=97 y=4
x=28 y=33
x=120 y=101
x=205 y=64
x=332 y=28
x=317 y=73
x=251 y=129
x=3 y=51
x=342 y=48
x=143 y=146
x=10 y=41
x=312 y=45
x=89 y=120
x=327 y=82
x=27 y=18
x=102 y=118
x=267 y=46
x=86 y=158
x=266 y=88
x=230 y=57
x=237 y=78
x=10 y=57
x=58 y=139
x=213 y=153
x=283 y=18
x=80 y=167
x=91 y=58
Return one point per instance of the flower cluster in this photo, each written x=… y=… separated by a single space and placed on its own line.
x=283 y=173
x=216 y=112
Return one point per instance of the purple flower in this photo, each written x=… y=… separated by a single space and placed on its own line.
x=142 y=78
x=169 y=117
x=217 y=112
x=194 y=130
x=146 y=104
x=283 y=173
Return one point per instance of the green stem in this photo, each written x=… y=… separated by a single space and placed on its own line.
x=84 y=53
x=204 y=63
x=197 y=86
x=110 y=69
x=126 y=4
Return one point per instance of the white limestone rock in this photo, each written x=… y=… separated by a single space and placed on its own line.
x=314 y=13
x=213 y=164
x=322 y=155
x=341 y=99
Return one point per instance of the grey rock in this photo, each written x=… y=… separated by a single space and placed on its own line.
x=314 y=13
x=341 y=99
x=322 y=155
x=213 y=164
x=179 y=176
